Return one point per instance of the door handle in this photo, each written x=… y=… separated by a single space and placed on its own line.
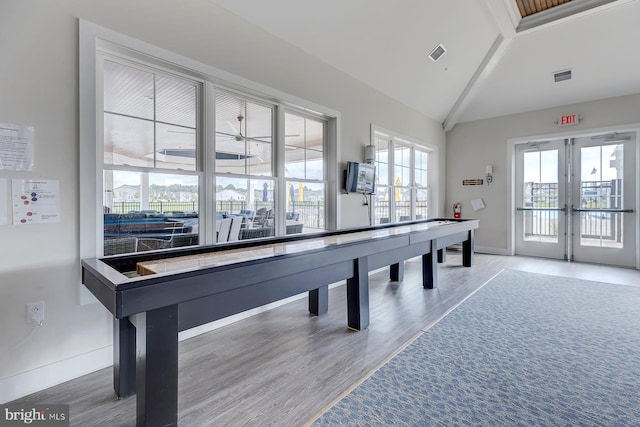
x=564 y=209
x=573 y=209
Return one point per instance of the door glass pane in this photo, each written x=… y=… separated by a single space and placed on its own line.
x=540 y=192
x=601 y=184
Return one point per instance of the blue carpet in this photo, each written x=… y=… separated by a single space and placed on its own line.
x=525 y=350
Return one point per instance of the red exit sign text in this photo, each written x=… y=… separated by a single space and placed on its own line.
x=569 y=119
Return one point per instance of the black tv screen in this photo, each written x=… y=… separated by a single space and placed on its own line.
x=360 y=178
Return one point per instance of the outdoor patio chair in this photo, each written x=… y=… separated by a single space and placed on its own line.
x=234 y=231
x=223 y=232
x=120 y=245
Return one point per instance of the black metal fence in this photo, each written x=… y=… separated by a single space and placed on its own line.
x=601 y=195
x=540 y=223
x=310 y=213
x=593 y=195
x=161 y=207
x=402 y=212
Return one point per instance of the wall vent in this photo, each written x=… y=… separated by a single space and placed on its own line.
x=563 y=75
x=437 y=52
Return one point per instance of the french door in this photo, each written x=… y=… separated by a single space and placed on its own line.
x=541 y=199
x=575 y=199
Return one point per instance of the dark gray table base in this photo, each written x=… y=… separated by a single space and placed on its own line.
x=148 y=316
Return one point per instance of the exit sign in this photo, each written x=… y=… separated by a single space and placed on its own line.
x=568 y=120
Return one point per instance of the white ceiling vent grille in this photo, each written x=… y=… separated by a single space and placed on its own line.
x=437 y=52
x=560 y=76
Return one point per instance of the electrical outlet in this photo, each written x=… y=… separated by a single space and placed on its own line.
x=35 y=313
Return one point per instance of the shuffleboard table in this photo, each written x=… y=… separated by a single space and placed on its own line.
x=154 y=295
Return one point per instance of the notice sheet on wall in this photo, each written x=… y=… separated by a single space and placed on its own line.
x=35 y=201
x=16 y=147
x=3 y=201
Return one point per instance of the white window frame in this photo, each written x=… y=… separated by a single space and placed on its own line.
x=92 y=40
x=324 y=181
x=395 y=139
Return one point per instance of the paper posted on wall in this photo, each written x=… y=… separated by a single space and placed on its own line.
x=477 y=204
x=36 y=201
x=16 y=147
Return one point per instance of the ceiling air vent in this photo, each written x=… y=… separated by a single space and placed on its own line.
x=437 y=52
x=560 y=76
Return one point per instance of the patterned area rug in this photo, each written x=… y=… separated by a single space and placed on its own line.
x=525 y=350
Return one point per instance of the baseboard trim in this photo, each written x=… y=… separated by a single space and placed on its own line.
x=25 y=383
x=491 y=251
x=482 y=249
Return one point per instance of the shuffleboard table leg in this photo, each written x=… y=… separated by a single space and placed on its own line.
x=358 y=295
x=442 y=255
x=467 y=250
x=319 y=300
x=124 y=357
x=430 y=267
x=396 y=272
x=157 y=367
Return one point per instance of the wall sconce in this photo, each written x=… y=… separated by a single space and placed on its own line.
x=370 y=154
x=489 y=171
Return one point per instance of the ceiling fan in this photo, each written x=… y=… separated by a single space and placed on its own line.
x=239 y=137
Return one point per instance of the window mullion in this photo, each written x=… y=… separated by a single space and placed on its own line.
x=280 y=196
x=412 y=193
x=155 y=124
x=392 y=183
x=208 y=147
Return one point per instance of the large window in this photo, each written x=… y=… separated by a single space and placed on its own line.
x=304 y=171
x=245 y=189
x=149 y=118
x=173 y=175
x=151 y=171
x=402 y=188
x=244 y=136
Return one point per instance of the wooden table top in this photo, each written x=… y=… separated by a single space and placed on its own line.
x=252 y=253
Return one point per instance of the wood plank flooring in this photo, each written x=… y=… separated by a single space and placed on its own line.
x=284 y=366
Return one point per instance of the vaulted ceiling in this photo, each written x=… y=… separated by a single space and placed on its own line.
x=496 y=62
x=529 y=7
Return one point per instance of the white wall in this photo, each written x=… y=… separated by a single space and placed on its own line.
x=473 y=145
x=39 y=87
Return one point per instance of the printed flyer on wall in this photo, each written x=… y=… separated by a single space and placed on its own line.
x=36 y=201
x=16 y=147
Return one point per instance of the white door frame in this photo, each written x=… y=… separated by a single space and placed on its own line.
x=570 y=133
x=547 y=249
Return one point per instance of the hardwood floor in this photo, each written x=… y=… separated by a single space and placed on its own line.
x=284 y=366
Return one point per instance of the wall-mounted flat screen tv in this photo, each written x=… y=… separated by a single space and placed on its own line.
x=360 y=178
